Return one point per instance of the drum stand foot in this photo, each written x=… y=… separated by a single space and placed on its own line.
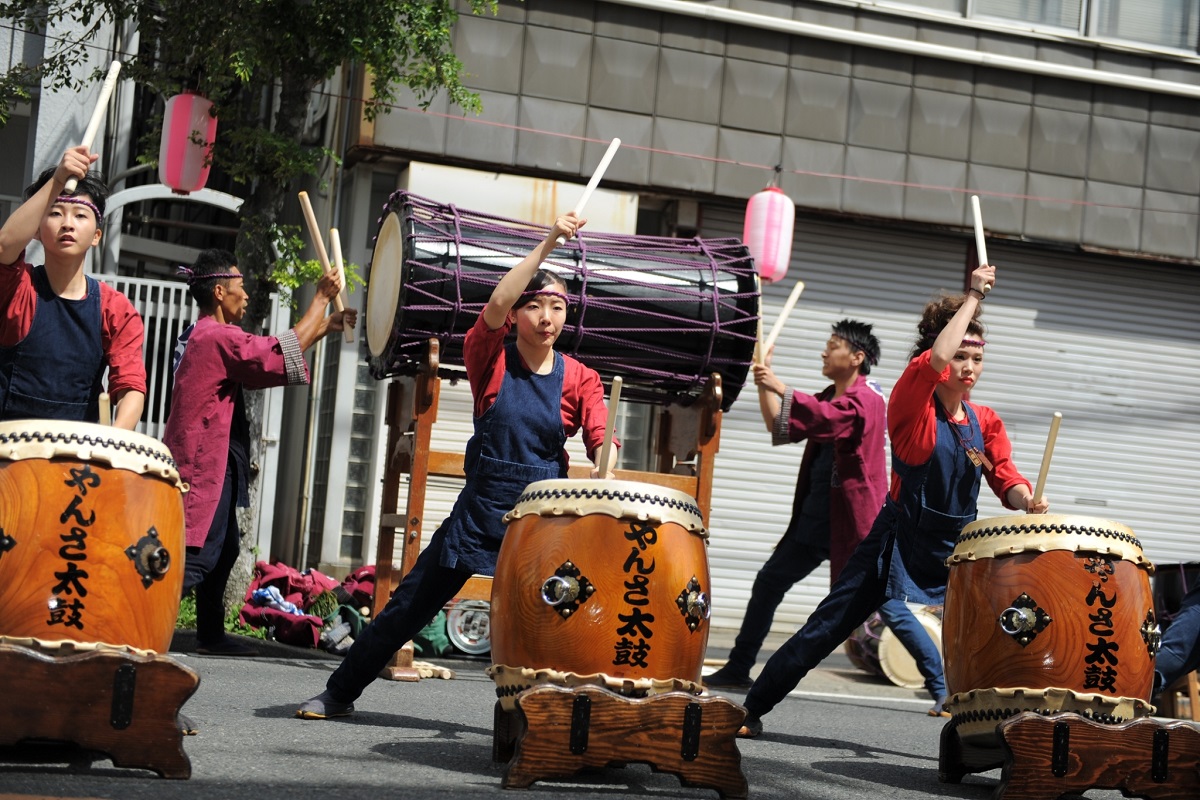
x=121 y=704
x=1069 y=754
x=559 y=732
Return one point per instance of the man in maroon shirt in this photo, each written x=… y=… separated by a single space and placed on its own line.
x=207 y=430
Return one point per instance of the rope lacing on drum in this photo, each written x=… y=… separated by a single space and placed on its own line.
x=26 y=437
x=1050 y=527
x=994 y=715
x=671 y=363
x=608 y=494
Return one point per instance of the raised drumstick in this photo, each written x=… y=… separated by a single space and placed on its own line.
x=105 y=409
x=93 y=127
x=614 y=399
x=335 y=244
x=318 y=242
x=777 y=328
x=759 y=353
x=1050 y=439
x=980 y=245
x=595 y=181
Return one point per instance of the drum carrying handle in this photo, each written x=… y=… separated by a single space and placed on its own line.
x=558 y=590
x=698 y=606
x=1015 y=620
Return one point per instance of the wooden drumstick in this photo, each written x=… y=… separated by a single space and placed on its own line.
x=335 y=244
x=777 y=328
x=318 y=242
x=595 y=181
x=759 y=353
x=89 y=134
x=1050 y=439
x=614 y=399
x=105 y=409
x=980 y=245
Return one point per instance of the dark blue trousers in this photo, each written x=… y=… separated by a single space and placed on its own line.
x=792 y=560
x=416 y=601
x=207 y=568
x=856 y=594
x=1180 y=653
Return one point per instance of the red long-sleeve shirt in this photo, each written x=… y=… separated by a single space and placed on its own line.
x=912 y=426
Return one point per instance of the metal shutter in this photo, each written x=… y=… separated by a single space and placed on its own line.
x=1102 y=340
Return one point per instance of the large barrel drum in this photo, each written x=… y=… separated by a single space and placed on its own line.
x=602 y=582
x=1047 y=613
x=91 y=535
x=665 y=314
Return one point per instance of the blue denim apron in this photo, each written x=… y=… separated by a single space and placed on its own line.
x=937 y=499
x=517 y=441
x=55 y=372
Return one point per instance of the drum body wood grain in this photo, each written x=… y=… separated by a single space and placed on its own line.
x=603 y=577
x=1052 y=612
x=91 y=535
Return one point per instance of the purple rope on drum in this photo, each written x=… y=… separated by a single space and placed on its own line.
x=663 y=313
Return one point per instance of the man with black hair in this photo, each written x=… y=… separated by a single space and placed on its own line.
x=207 y=430
x=840 y=489
x=59 y=328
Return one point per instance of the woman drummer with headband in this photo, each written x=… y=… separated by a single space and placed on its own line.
x=528 y=399
x=59 y=328
x=941 y=445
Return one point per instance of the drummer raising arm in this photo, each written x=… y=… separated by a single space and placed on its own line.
x=59 y=328
x=941 y=445
x=528 y=399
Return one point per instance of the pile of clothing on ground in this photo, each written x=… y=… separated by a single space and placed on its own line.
x=311 y=609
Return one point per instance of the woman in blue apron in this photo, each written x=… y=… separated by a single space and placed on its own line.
x=529 y=399
x=941 y=446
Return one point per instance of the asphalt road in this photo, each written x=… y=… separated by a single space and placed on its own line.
x=844 y=734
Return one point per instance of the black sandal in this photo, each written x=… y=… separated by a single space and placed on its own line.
x=752 y=728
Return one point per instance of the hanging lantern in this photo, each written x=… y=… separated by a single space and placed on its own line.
x=184 y=153
x=770 y=215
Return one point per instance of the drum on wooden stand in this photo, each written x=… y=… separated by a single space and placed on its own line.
x=91 y=535
x=874 y=648
x=665 y=314
x=601 y=583
x=1047 y=613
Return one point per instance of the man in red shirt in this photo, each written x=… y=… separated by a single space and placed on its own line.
x=59 y=328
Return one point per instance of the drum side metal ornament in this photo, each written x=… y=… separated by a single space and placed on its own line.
x=1047 y=613
x=663 y=313
x=602 y=583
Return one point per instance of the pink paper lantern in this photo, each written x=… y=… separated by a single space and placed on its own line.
x=184 y=153
x=770 y=217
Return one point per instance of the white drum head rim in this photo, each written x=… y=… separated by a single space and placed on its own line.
x=383 y=292
x=86 y=441
x=1040 y=533
x=617 y=499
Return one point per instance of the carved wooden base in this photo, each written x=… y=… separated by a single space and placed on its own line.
x=557 y=732
x=1046 y=757
x=121 y=704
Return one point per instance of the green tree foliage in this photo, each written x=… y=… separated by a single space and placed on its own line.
x=259 y=62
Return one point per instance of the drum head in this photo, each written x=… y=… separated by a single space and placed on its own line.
x=897 y=664
x=383 y=291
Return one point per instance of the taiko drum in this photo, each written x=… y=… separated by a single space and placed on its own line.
x=1048 y=613
x=91 y=535
x=603 y=577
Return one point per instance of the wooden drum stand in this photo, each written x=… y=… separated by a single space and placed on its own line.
x=118 y=701
x=556 y=732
